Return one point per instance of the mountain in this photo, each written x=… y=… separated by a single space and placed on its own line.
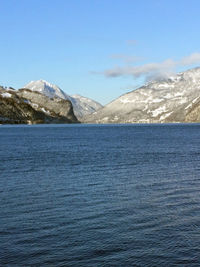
x=82 y=105
x=176 y=99
x=46 y=88
x=25 y=106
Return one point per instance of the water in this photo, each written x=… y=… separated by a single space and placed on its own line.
x=86 y=195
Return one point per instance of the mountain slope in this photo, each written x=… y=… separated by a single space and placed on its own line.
x=176 y=99
x=82 y=105
x=32 y=107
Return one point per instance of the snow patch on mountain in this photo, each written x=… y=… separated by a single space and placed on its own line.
x=6 y=95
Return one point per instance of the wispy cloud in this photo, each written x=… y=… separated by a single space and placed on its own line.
x=153 y=70
x=191 y=59
x=141 y=70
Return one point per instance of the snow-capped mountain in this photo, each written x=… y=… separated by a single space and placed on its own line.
x=176 y=99
x=46 y=88
x=82 y=105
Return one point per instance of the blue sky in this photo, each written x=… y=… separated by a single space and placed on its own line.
x=97 y=48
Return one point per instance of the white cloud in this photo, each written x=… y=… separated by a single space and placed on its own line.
x=153 y=70
x=191 y=59
x=146 y=69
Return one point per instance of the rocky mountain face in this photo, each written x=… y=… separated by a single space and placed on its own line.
x=176 y=99
x=82 y=106
x=25 y=106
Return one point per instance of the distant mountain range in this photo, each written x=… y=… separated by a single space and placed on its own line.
x=176 y=99
x=82 y=105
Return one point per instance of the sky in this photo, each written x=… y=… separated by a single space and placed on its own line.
x=100 y=49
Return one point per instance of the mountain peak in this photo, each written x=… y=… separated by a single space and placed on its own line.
x=46 y=88
x=82 y=105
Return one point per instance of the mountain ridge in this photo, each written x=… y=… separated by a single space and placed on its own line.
x=172 y=100
x=168 y=100
x=82 y=105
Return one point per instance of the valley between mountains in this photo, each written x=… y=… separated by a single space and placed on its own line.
x=172 y=100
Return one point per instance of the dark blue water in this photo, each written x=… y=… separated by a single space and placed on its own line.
x=88 y=195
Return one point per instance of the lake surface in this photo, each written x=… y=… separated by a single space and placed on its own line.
x=100 y=195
